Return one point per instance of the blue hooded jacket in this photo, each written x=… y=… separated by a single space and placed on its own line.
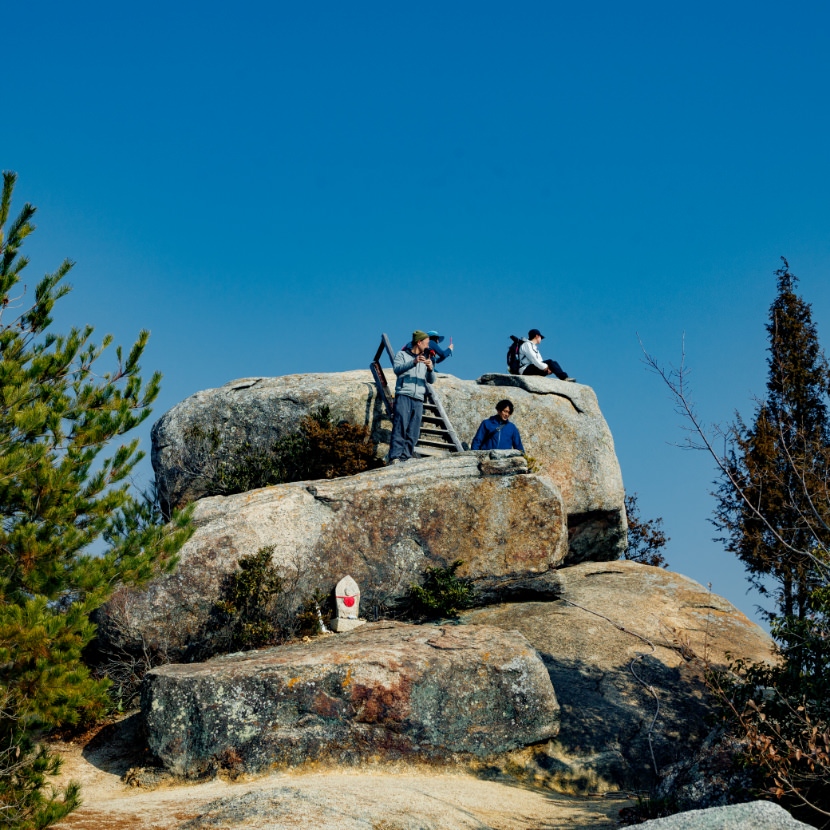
x=495 y=434
x=440 y=354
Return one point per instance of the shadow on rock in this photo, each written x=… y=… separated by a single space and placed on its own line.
x=629 y=722
x=117 y=747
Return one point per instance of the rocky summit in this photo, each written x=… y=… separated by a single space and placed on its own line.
x=561 y=424
x=561 y=622
x=385 y=690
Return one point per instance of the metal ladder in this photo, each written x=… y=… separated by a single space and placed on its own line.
x=437 y=435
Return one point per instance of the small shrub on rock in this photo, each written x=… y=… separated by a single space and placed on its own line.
x=259 y=606
x=247 y=614
x=252 y=467
x=320 y=448
x=332 y=450
x=443 y=594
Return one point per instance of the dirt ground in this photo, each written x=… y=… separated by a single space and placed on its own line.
x=364 y=798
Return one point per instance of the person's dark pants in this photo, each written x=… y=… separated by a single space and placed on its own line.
x=406 y=427
x=554 y=367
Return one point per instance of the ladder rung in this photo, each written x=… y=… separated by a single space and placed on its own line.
x=441 y=445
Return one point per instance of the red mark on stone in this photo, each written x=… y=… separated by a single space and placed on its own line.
x=348 y=601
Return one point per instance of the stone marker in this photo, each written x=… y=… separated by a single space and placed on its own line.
x=347 y=597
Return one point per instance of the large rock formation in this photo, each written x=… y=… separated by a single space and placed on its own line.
x=624 y=644
x=387 y=689
x=621 y=642
x=384 y=527
x=561 y=425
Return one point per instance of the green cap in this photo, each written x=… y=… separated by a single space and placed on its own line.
x=417 y=336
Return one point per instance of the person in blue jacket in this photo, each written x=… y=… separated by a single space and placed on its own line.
x=497 y=433
x=441 y=354
x=435 y=351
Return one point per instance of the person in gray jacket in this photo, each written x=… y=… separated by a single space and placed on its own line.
x=414 y=370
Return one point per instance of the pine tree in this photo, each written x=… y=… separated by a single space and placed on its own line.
x=773 y=506
x=646 y=538
x=772 y=499
x=59 y=495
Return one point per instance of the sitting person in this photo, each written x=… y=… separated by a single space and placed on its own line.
x=413 y=367
x=531 y=363
x=497 y=433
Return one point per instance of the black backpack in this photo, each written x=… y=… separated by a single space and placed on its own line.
x=513 y=360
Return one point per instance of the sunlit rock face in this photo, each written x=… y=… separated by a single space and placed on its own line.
x=384 y=527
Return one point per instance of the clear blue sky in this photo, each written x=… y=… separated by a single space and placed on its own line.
x=268 y=186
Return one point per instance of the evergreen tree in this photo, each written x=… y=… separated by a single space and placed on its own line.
x=59 y=494
x=773 y=505
x=646 y=538
x=772 y=500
